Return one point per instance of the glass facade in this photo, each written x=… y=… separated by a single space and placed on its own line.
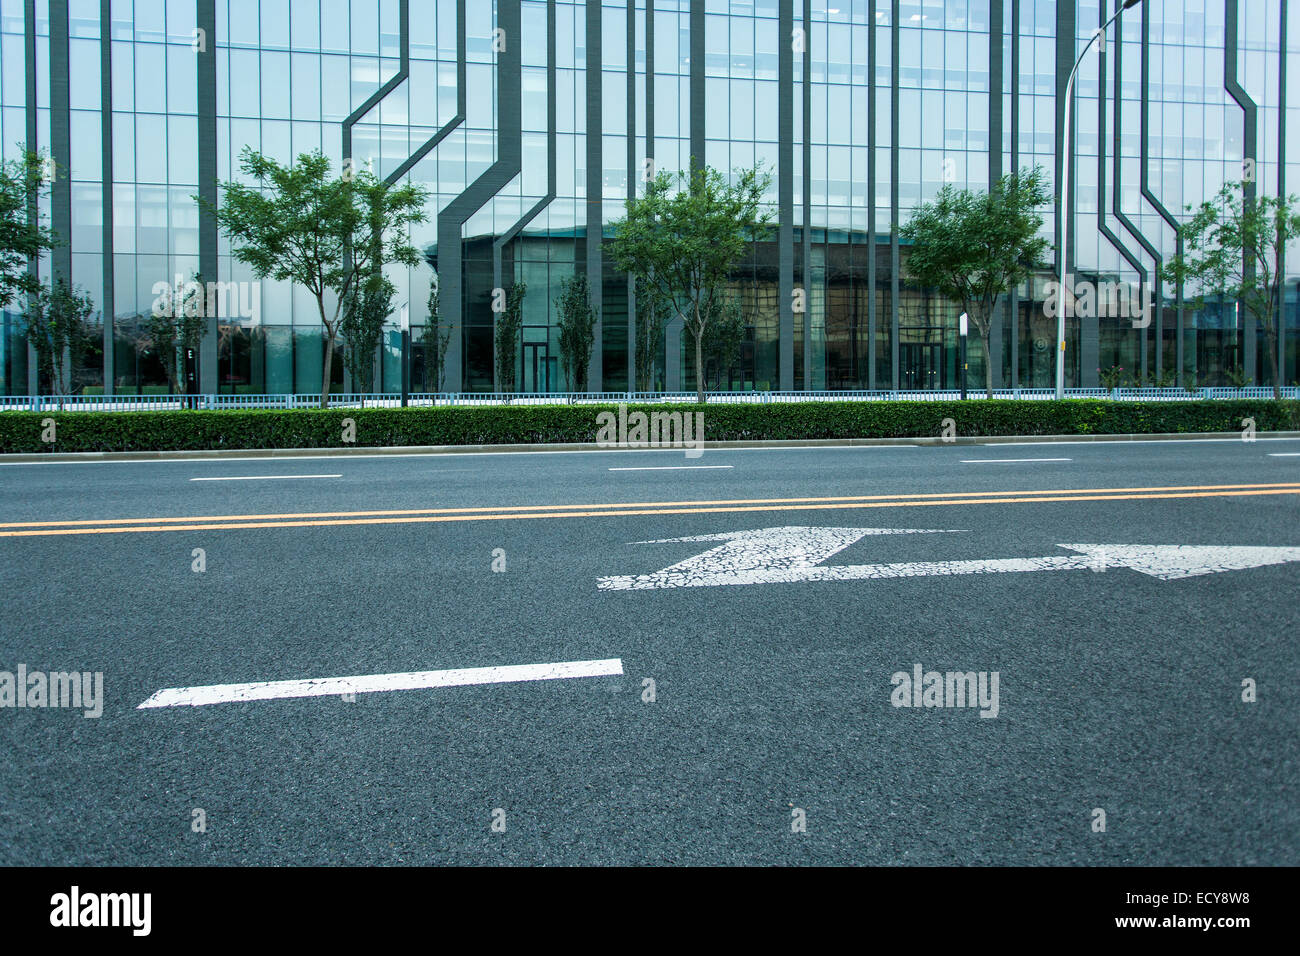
x=532 y=121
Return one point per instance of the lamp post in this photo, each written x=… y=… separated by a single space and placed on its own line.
x=961 y=327
x=405 y=373
x=1063 y=196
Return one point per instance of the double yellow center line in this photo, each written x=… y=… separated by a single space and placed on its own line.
x=21 y=529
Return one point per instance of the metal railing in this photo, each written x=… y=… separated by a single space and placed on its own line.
x=123 y=403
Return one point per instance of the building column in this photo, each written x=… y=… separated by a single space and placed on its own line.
x=206 y=21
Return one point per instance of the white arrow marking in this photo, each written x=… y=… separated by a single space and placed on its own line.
x=1168 y=562
x=747 y=556
x=370 y=683
x=788 y=555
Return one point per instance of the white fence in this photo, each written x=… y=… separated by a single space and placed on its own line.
x=125 y=403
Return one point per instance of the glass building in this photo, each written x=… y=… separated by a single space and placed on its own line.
x=532 y=121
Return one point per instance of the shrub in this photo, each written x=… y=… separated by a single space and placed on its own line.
x=20 y=432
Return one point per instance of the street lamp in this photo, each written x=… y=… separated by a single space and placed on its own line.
x=961 y=327
x=1063 y=197
x=405 y=373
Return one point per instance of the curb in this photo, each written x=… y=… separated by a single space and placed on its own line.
x=87 y=456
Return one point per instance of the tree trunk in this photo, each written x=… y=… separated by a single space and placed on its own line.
x=329 y=346
x=699 y=363
x=1270 y=351
x=325 y=374
x=988 y=362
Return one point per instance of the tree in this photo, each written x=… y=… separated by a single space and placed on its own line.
x=21 y=238
x=509 y=329
x=369 y=302
x=435 y=339
x=365 y=313
x=685 y=235
x=1232 y=248
x=973 y=246
x=652 y=313
x=724 y=339
x=298 y=223
x=577 y=324
x=177 y=322
x=58 y=320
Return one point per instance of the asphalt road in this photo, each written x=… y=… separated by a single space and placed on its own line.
x=1118 y=690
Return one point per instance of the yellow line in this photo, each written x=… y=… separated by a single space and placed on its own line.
x=855 y=505
x=515 y=510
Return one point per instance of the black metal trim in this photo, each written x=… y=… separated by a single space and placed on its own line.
x=205 y=15
x=1066 y=45
x=894 y=263
x=871 y=194
x=106 y=193
x=805 y=244
x=32 y=144
x=1281 y=191
x=1155 y=202
x=1014 y=298
x=596 y=191
x=785 y=196
x=452 y=218
x=630 y=125
x=996 y=36
x=403 y=71
x=451 y=124
x=1128 y=255
x=1249 y=148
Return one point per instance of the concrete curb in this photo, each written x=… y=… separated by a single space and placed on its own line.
x=593 y=447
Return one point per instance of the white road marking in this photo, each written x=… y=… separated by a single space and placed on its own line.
x=263 y=477
x=372 y=683
x=713 y=450
x=1284 y=454
x=671 y=467
x=1135 y=441
x=1003 y=461
x=264 y=459
x=794 y=554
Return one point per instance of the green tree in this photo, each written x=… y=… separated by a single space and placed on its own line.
x=369 y=302
x=58 y=321
x=724 y=339
x=510 y=324
x=686 y=235
x=435 y=339
x=1232 y=248
x=299 y=223
x=577 y=323
x=365 y=313
x=653 y=313
x=177 y=322
x=972 y=246
x=21 y=238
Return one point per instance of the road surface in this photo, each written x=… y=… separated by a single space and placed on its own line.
x=533 y=670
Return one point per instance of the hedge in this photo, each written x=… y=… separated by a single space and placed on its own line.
x=21 y=432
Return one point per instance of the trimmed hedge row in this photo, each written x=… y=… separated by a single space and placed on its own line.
x=21 y=432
